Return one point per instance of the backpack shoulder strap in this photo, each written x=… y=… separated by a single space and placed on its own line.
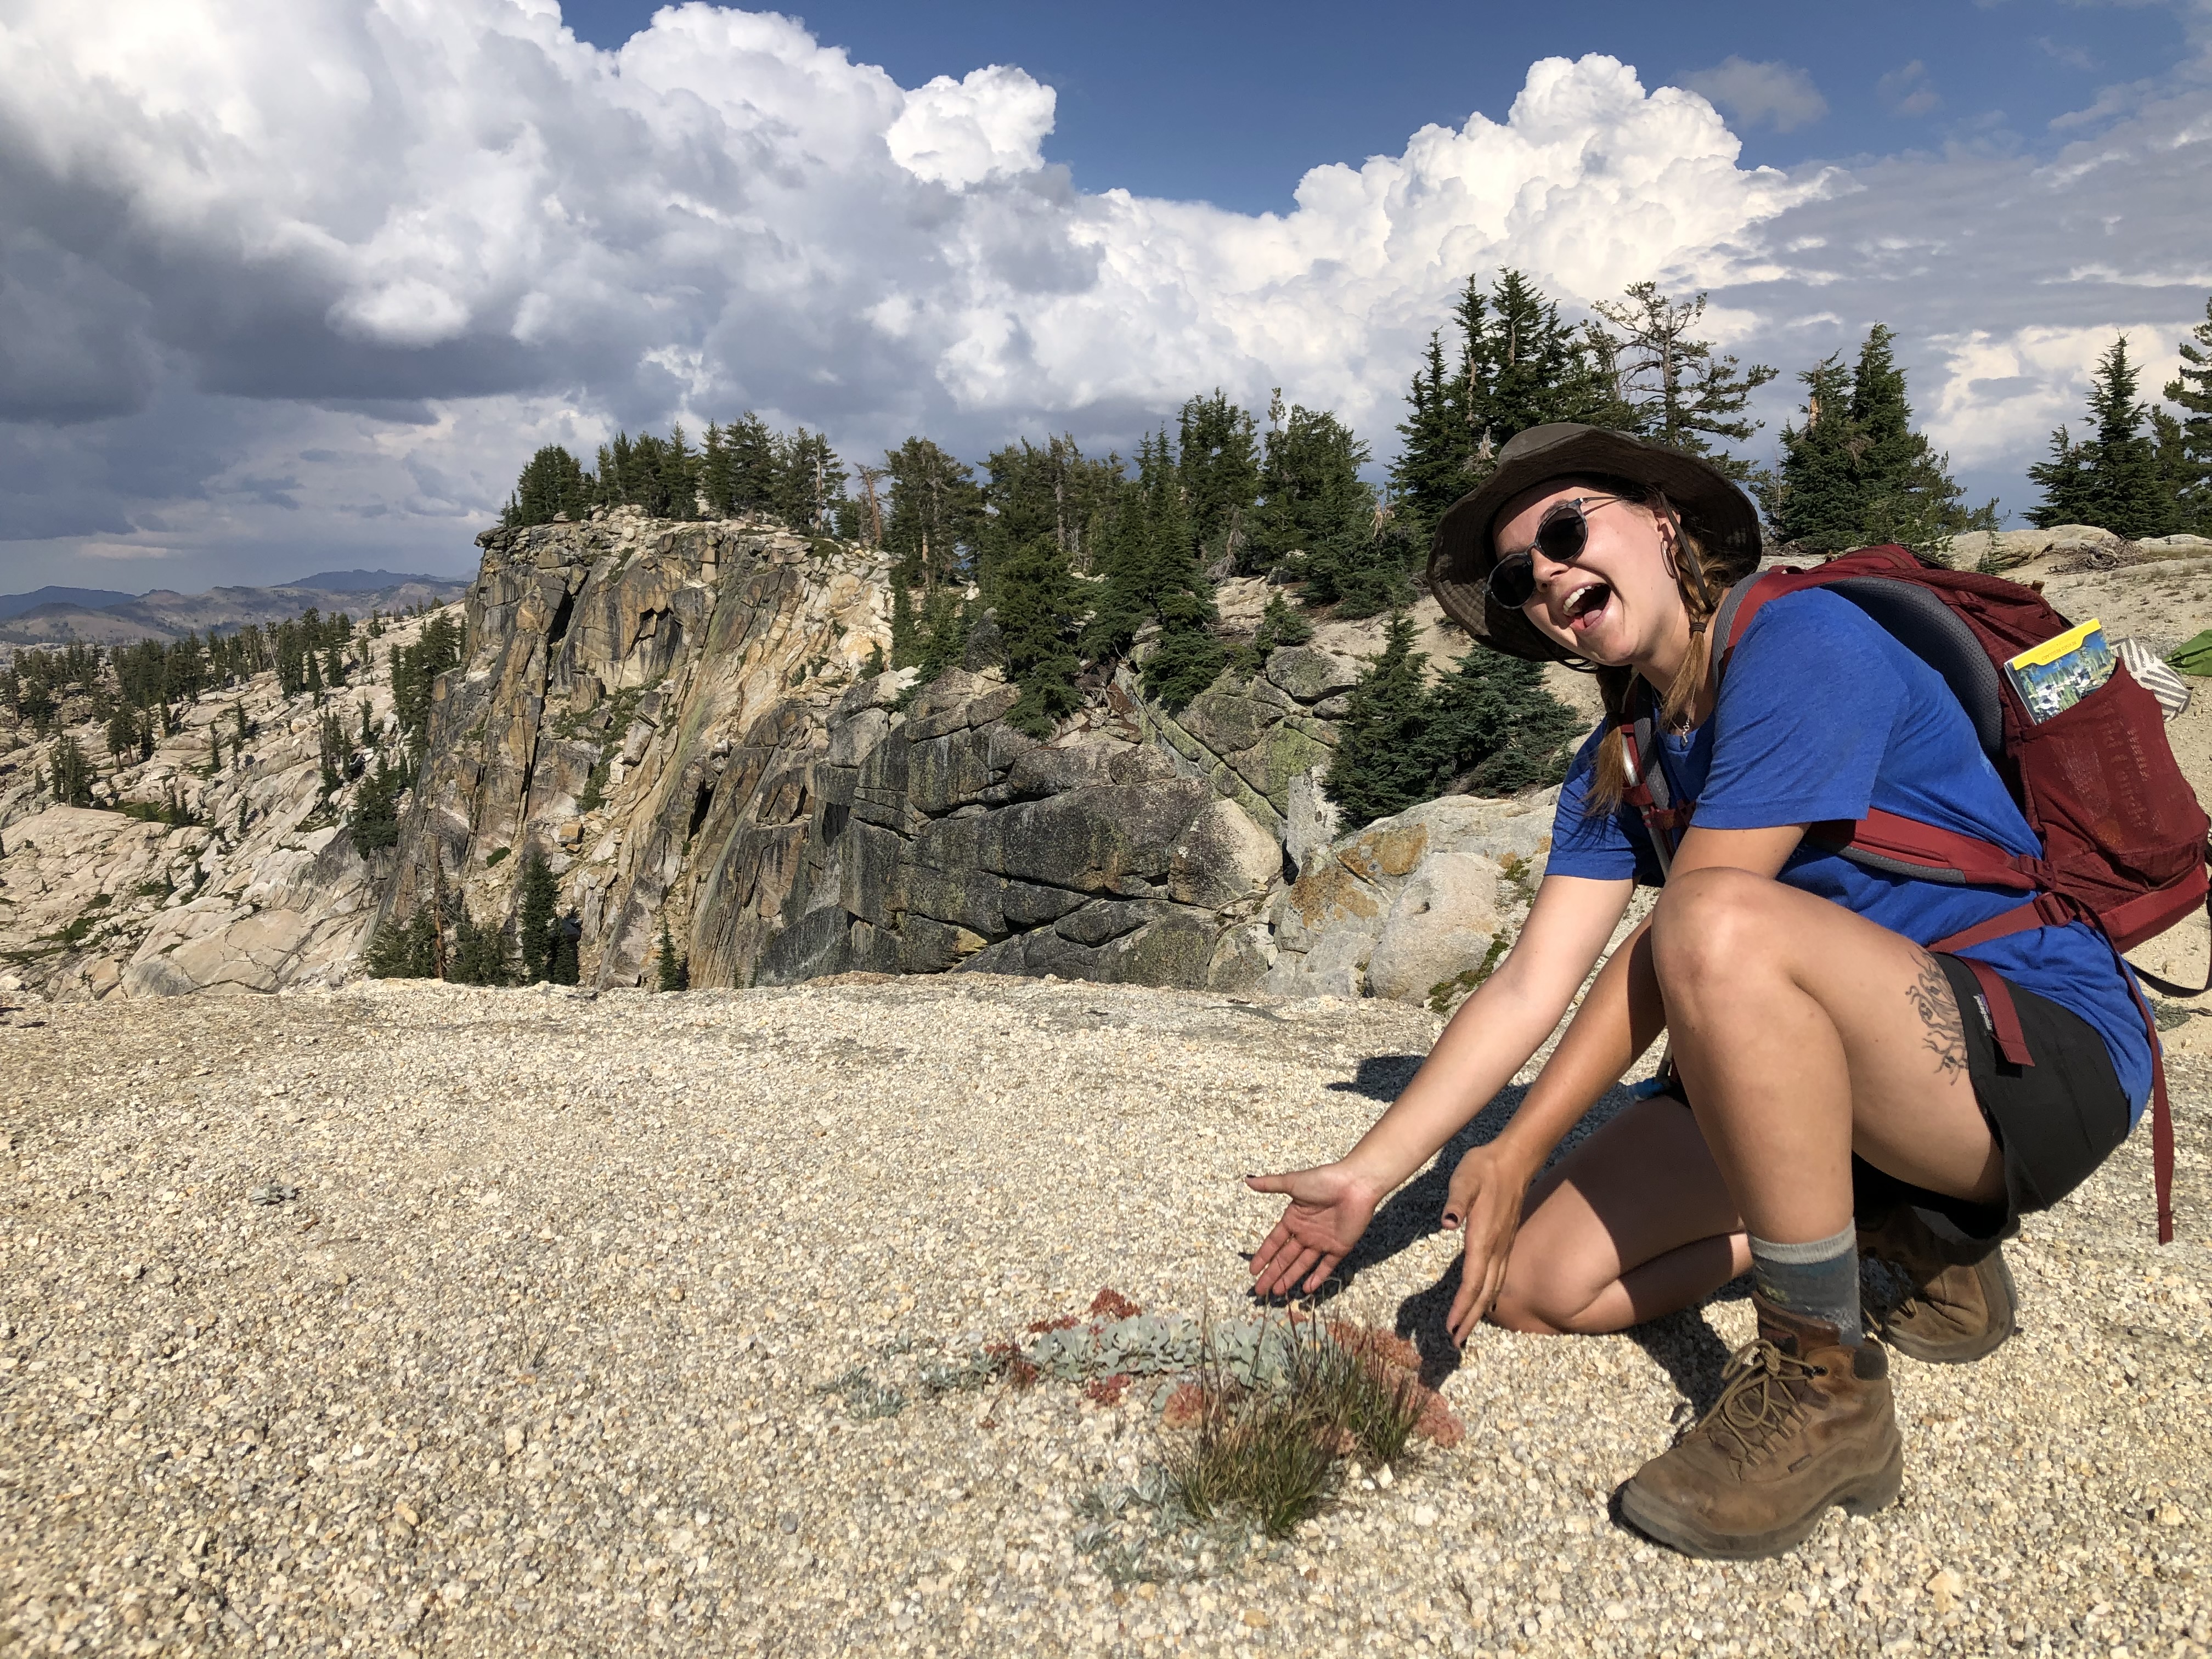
x=1649 y=792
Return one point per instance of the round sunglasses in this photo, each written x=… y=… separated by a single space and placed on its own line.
x=1561 y=537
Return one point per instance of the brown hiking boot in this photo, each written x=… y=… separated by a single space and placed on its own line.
x=1958 y=1301
x=1802 y=1422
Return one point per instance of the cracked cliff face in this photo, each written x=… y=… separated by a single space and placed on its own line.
x=944 y=839
x=613 y=669
x=687 y=718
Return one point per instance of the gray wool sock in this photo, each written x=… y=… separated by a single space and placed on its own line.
x=1819 y=1280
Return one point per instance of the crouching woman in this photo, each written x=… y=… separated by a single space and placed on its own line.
x=1834 y=1088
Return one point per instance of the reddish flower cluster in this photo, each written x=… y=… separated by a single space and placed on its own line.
x=1112 y=1305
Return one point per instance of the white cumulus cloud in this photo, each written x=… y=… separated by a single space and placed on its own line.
x=960 y=133
x=331 y=268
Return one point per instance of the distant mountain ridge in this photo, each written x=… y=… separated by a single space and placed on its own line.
x=57 y=615
x=363 y=581
x=13 y=605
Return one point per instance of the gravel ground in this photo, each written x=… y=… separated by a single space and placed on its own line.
x=405 y=1318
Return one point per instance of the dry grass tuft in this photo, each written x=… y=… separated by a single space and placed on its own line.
x=1278 y=1454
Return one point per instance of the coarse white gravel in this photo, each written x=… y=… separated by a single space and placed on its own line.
x=412 y=1319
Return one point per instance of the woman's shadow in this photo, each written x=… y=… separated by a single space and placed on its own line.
x=1683 y=1345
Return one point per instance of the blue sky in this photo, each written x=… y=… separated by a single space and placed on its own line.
x=299 y=287
x=1232 y=103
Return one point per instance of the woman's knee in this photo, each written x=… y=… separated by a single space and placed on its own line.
x=1536 y=1300
x=1514 y=1311
x=1713 y=923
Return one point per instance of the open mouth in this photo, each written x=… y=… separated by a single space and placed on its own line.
x=1586 y=604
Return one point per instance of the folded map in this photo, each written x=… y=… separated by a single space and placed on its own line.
x=2051 y=677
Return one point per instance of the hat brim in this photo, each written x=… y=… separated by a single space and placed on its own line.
x=1710 y=505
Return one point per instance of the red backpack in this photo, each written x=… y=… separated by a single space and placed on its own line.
x=2125 y=845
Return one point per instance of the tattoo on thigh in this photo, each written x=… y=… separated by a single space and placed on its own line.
x=1931 y=999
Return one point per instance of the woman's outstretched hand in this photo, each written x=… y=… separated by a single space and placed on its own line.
x=1484 y=1205
x=1329 y=1209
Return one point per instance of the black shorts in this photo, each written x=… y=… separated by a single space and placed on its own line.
x=2054 y=1121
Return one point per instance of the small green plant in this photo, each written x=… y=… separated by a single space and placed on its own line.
x=594 y=795
x=496 y=855
x=864 y=1398
x=1277 y=1454
x=1521 y=876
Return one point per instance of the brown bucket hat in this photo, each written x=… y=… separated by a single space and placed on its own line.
x=1708 y=503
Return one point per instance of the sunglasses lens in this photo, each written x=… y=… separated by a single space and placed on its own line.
x=1562 y=536
x=1513 y=581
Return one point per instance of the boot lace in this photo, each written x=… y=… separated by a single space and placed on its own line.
x=1760 y=1399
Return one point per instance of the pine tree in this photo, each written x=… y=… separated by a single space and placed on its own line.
x=1367 y=575
x=1506 y=361
x=2188 y=455
x=482 y=954
x=1154 y=574
x=2113 y=480
x=1049 y=490
x=1529 y=368
x=214 y=749
x=1039 y=605
x=809 y=481
x=374 y=820
x=906 y=640
x=1280 y=625
x=669 y=973
x=2067 y=480
x=1682 y=393
x=738 y=467
x=935 y=507
x=1218 y=461
x=1382 y=764
x=941 y=634
x=68 y=774
x=1431 y=472
x=122 y=734
x=1315 y=510
x=403 y=950
x=565 y=968
x=334 y=755
x=1907 y=494
x=1494 y=728
x=534 y=926
x=2181 y=479
x=551 y=482
x=1856 y=474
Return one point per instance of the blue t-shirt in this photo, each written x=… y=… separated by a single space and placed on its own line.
x=1823 y=714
